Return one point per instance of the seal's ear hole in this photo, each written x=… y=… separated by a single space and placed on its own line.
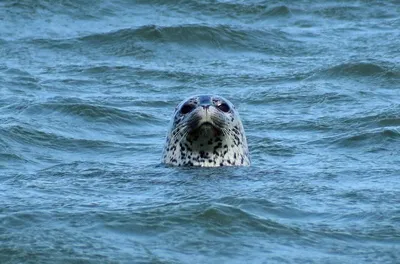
x=186 y=108
x=224 y=107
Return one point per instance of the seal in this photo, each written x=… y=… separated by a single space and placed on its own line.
x=206 y=131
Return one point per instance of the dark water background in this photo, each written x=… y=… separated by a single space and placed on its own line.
x=87 y=89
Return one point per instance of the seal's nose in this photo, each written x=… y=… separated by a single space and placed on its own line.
x=205 y=106
x=205 y=100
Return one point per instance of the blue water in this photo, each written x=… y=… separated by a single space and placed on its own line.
x=86 y=94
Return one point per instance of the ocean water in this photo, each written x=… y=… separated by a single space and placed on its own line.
x=87 y=89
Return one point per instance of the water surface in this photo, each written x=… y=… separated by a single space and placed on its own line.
x=87 y=91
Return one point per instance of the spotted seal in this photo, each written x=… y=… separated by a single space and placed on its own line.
x=206 y=131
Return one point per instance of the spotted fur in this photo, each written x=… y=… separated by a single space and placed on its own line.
x=206 y=131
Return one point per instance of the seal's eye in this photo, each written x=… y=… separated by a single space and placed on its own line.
x=224 y=107
x=186 y=108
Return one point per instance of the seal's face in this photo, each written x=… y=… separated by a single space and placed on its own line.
x=206 y=131
x=206 y=117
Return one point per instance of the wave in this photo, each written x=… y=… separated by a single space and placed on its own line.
x=92 y=112
x=194 y=35
x=34 y=137
x=228 y=219
x=369 y=138
x=300 y=96
x=218 y=219
x=34 y=9
x=353 y=11
x=219 y=8
x=373 y=119
x=262 y=145
x=98 y=113
x=359 y=69
x=6 y=158
x=341 y=12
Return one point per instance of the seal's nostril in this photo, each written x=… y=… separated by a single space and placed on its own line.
x=205 y=106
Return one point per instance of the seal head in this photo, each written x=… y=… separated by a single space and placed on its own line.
x=206 y=131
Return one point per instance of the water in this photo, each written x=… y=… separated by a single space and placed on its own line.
x=87 y=91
